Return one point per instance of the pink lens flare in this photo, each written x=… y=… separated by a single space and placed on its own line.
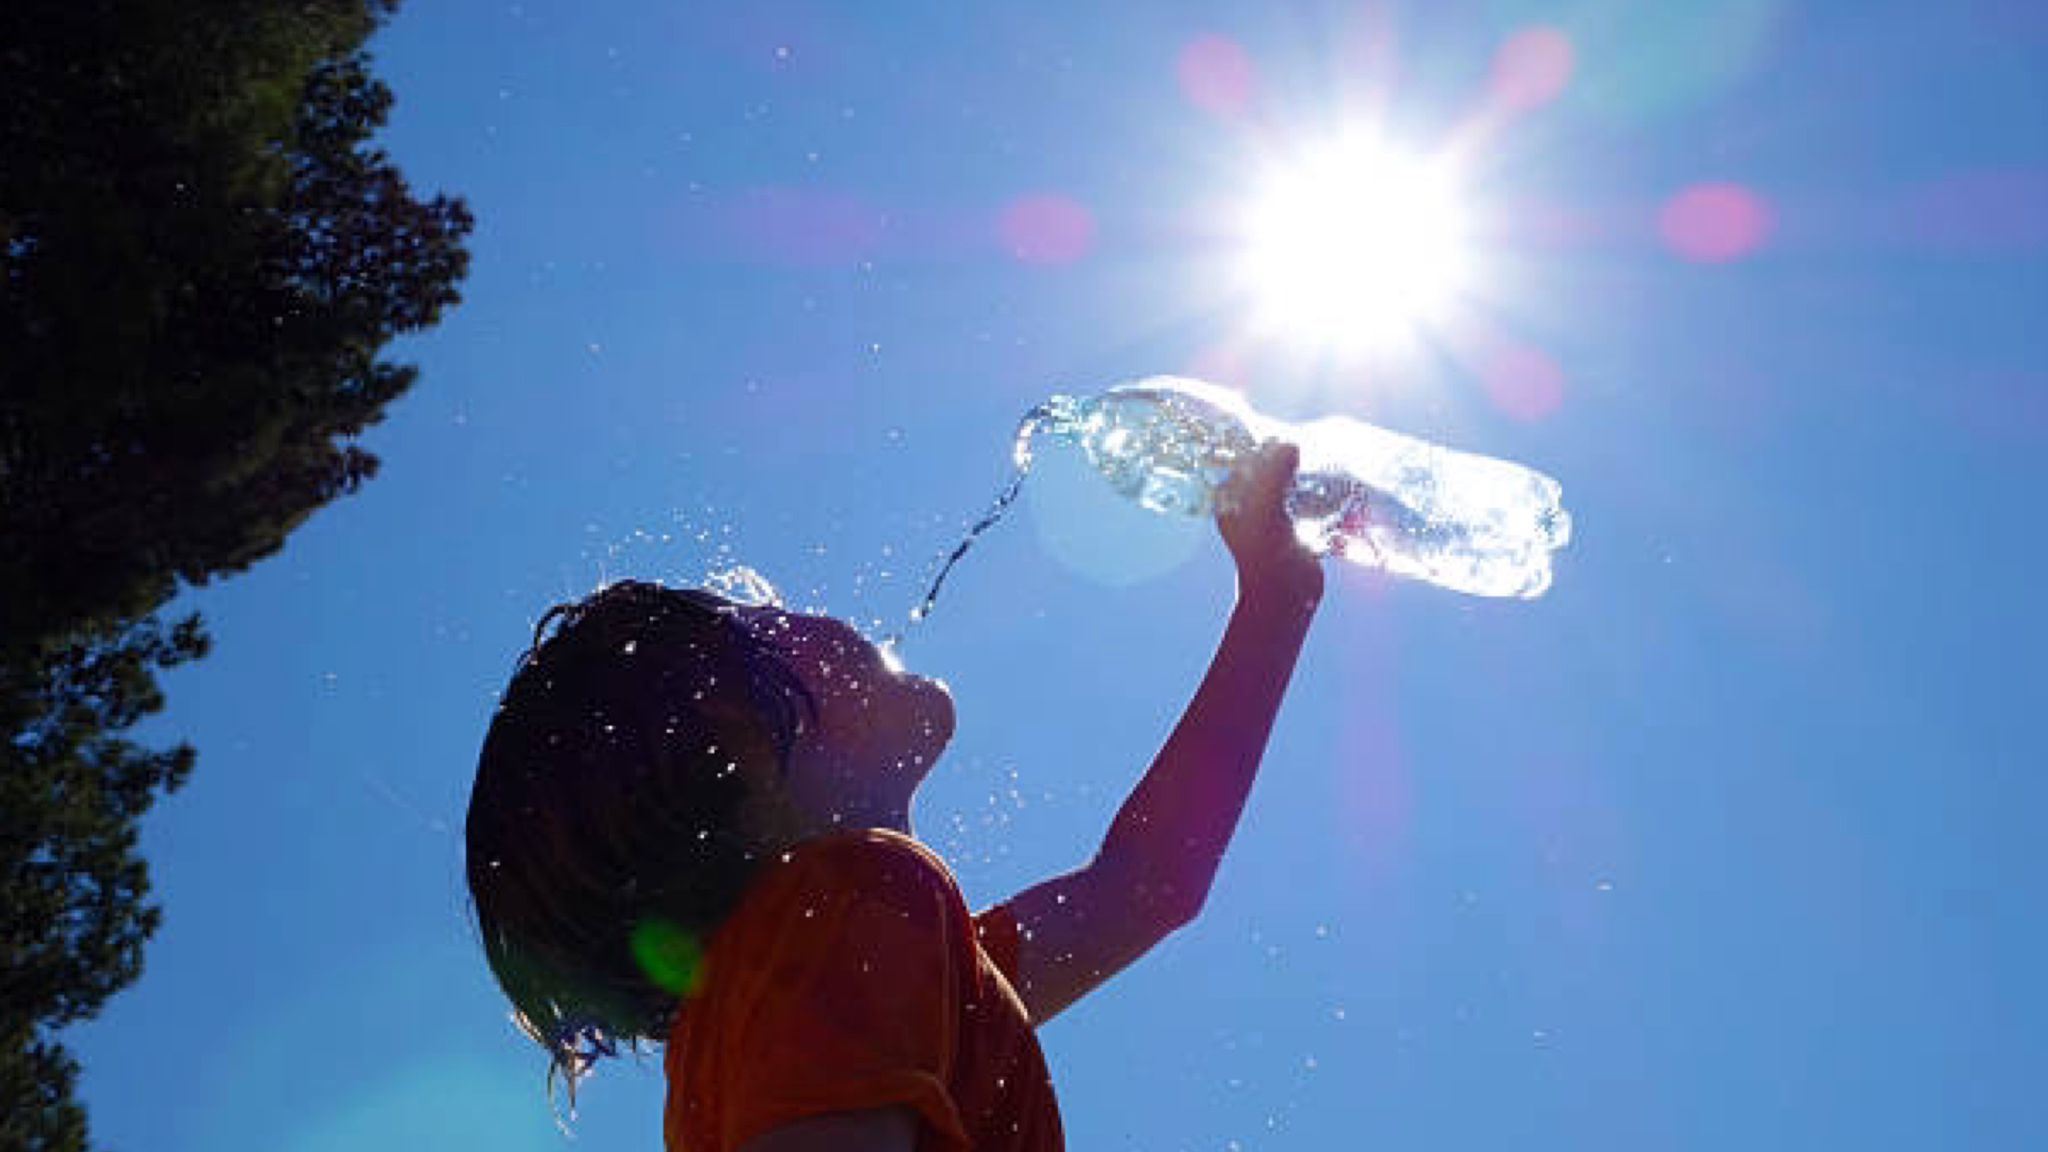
x=1216 y=76
x=1524 y=382
x=1532 y=68
x=1717 y=223
x=1047 y=229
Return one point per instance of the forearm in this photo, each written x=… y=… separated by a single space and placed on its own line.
x=1168 y=838
x=1155 y=866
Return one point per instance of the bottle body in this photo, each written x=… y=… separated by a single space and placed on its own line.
x=1471 y=523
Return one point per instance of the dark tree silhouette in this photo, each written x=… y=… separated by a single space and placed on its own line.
x=202 y=259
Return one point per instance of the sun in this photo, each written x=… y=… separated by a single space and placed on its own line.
x=1353 y=245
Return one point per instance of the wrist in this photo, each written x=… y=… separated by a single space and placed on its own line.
x=1292 y=585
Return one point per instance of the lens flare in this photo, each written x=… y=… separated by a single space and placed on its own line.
x=1047 y=229
x=1715 y=223
x=1217 y=76
x=669 y=957
x=1532 y=68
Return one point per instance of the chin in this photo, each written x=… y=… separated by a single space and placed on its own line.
x=909 y=729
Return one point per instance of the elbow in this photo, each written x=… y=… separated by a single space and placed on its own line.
x=1163 y=899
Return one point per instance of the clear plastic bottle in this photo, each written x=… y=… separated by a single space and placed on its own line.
x=1470 y=523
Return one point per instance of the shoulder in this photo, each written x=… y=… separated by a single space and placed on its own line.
x=865 y=884
x=843 y=907
x=815 y=885
x=873 y=865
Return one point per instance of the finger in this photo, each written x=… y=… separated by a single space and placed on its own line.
x=1282 y=461
x=1272 y=472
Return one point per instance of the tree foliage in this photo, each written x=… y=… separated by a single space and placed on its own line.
x=203 y=257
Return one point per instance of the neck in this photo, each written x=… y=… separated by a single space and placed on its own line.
x=892 y=820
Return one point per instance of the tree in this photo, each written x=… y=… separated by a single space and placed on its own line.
x=203 y=257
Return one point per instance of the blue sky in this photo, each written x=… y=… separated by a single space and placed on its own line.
x=1728 y=841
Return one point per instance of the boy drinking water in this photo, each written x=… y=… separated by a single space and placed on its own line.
x=690 y=825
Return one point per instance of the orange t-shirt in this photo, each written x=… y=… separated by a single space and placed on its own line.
x=852 y=977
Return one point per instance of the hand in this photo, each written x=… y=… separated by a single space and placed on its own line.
x=1251 y=515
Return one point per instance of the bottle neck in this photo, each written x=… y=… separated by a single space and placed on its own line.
x=1060 y=417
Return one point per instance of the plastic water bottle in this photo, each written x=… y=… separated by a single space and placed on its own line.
x=1470 y=523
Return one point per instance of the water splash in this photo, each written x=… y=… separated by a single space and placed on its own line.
x=1058 y=416
x=743 y=585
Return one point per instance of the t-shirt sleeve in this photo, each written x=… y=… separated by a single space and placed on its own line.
x=997 y=931
x=858 y=1004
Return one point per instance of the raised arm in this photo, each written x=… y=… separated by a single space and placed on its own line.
x=1154 y=869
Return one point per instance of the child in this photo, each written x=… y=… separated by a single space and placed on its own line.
x=690 y=825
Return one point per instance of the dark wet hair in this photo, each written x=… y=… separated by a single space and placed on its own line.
x=605 y=836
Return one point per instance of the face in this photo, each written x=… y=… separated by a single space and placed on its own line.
x=877 y=730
